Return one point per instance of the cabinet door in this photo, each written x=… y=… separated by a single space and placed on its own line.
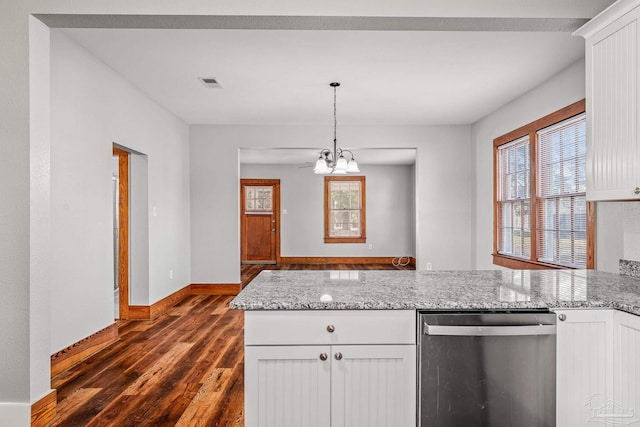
x=584 y=366
x=373 y=385
x=613 y=150
x=626 y=343
x=287 y=386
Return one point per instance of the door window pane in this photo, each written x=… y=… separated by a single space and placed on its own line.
x=258 y=199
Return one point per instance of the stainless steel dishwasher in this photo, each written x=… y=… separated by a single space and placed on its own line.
x=487 y=369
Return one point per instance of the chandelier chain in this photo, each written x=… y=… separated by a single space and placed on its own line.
x=335 y=118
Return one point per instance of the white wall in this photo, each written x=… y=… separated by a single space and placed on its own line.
x=631 y=223
x=92 y=108
x=390 y=210
x=443 y=209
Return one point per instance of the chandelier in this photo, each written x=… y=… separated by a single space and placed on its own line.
x=334 y=162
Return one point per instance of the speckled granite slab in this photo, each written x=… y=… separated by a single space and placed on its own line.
x=630 y=268
x=438 y=290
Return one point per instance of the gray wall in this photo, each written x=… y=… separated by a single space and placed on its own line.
x=87 y=118
x=390 y=211
x=443 y=212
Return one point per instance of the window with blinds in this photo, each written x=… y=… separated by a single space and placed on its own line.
x=562 y=203
x=514 y=211
x=345 y=209
x=541 y=213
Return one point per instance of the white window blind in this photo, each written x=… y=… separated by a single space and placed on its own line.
x=514 y=199
x=562 y=206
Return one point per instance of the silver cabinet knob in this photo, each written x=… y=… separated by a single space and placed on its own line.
x=637 y=190
x=338 y=356
x=562 y=317
x=331 y=328
x=323 y=356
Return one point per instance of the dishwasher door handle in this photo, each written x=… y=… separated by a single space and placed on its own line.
x=488 y=331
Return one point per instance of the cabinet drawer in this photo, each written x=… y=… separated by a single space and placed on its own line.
x=312 y=327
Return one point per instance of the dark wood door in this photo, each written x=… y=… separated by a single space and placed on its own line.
x=260 y=221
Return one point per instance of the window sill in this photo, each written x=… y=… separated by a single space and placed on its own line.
x=523 y=264
x=345 y=240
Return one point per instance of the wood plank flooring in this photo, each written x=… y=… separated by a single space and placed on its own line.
x=184 y=368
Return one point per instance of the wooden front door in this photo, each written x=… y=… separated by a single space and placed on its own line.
x=260 y=221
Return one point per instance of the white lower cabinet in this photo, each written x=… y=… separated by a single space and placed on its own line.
x=626 y=369
x=373 y=386
x=584 y=364
x=598 y=368
x=338 y=384
x=287 y=386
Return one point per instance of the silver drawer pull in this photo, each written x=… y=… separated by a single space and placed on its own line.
x=323 y=356
x=480 y=331
x=338 y=356
x=331 y=328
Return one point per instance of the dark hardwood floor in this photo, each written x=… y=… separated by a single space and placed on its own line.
x=184 y=368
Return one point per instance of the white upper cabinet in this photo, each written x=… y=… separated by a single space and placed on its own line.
x=612 y=94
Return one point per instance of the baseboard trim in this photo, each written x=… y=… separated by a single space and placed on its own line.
x=148 y=312
x=215 y=288
x=44 y=410
x=75 y=353
x=344 y=260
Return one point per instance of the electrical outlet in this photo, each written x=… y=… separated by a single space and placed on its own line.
x=370 y=245
x=429 y=266
x=170 y=274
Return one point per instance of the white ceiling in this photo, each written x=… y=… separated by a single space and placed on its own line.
x=307 y=156
x=282 y=76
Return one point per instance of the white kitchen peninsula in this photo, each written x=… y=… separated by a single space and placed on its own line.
x=332 y=348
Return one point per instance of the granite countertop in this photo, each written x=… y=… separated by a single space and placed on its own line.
x=435 y=290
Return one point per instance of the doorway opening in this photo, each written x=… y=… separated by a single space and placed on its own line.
x=121 y=233
x=260 y=221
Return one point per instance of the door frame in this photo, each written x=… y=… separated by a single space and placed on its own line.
x=123 y=231
x=276 y=210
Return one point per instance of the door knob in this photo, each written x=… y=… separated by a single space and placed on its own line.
x=323 y=356
x=637 y=190
x=562 y=317
x=338 y=356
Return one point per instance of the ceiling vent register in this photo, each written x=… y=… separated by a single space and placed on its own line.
x=210 y=82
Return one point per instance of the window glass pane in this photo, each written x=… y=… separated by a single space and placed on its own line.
x=344 y=204
x=562 y=186
x=515 y=216
x=258 y=199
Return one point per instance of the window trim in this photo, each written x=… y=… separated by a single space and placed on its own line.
x=531 y=130
x=363 y=210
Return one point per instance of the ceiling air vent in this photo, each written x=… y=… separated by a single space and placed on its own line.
x=211 y=82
